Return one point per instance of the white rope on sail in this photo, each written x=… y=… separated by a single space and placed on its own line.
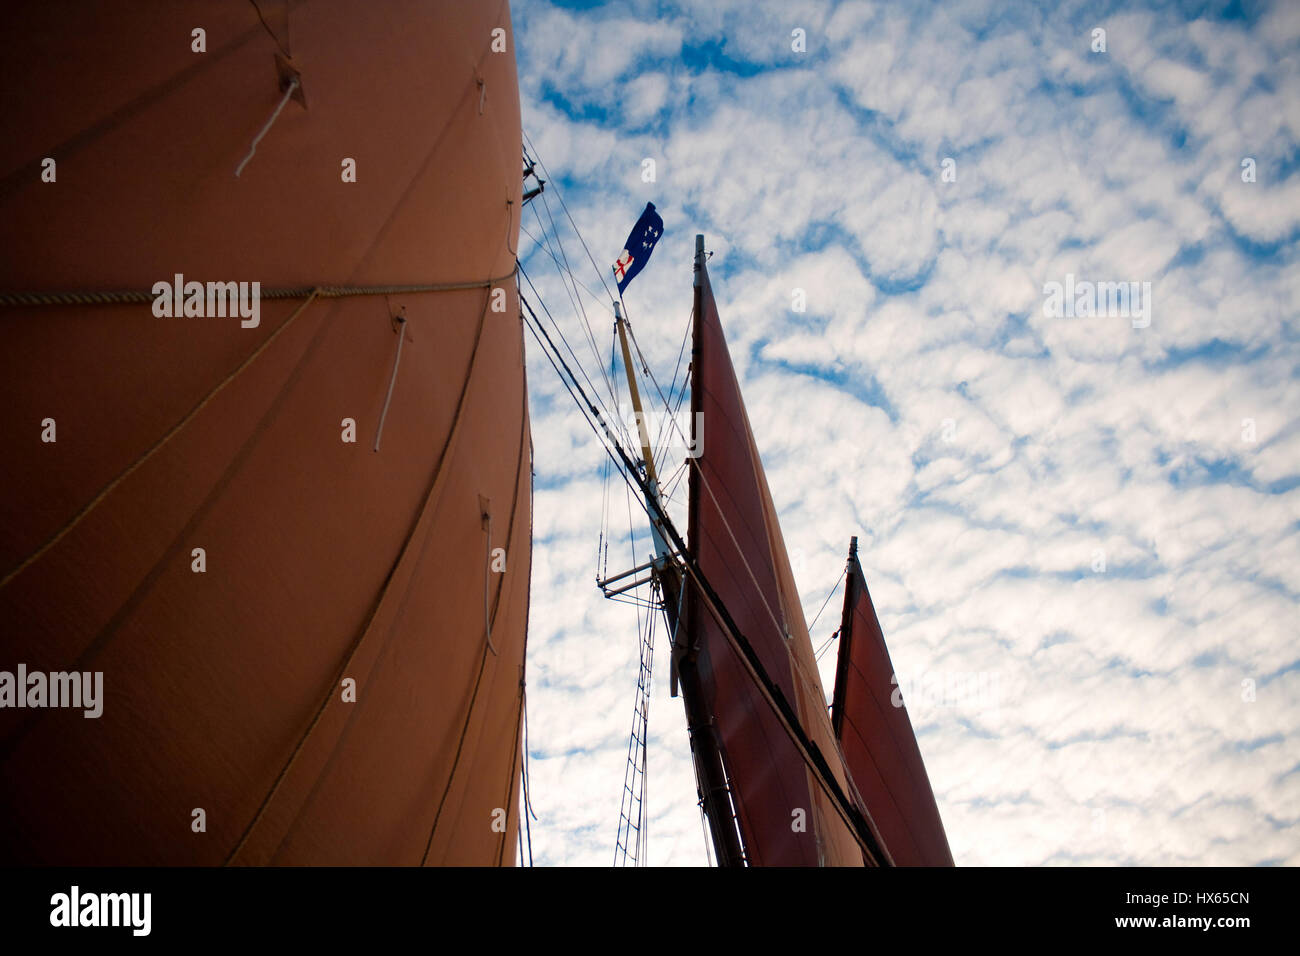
x=252 y=148
x=400 y=321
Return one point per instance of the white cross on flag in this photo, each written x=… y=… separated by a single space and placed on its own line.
x=620 y=267
x=643 y=237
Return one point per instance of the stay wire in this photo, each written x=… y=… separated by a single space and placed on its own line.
x=565 y=207
x=838 y=581
x=586 y=406
x=574 y=296
x=566 y=276
x=576 y=360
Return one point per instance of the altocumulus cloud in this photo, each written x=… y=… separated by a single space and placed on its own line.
x=1103 y=518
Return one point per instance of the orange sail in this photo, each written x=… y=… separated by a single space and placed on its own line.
x=876 y=735
x=295 y=550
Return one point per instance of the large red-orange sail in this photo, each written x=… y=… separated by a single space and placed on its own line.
x=876 y=737
x=786 y=818
x=402 y=573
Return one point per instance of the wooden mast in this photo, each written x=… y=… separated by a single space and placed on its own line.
x=846 y=640
x=706 y=750
x=710 y=775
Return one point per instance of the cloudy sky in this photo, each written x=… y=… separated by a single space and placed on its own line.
x=1099 y=515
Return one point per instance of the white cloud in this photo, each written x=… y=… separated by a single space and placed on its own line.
x=1121 y=734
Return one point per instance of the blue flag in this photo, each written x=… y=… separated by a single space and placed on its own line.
x=640 y=243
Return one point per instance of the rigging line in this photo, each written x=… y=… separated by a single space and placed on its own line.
x=584 y=404
x=827 y=645
x=643 y=830
x=282 y=46
x=138 y=297
x=858 y=820
x=668 y=423
x=645 y=365
x=622 y=460
x=708 y=840
x=681 y=394
x=565 y=271
x=632 y=748
x=560 y=242
x=665 y=432
x=530 y=813
x=675 y=480
x=556 y=325
x=665 y=435
x=565 y=207
x=634 y=780
x=516 y=755
x=546 y=249
x=311 y=294
x=839 y=579
x=631 y=526
x=577 y=361
x=527 y=813
x=564 y=339
x=601 y=572
x=579 y=311
x=603 y=568
x=433 y=492
x=618 y=422
x=629 y=599
x=574 y=295
x=681 y=352
x=528 y=800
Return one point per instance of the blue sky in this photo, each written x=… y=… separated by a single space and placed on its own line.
x=1099 y=516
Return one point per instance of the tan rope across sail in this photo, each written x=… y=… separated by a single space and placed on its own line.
x=120 y=298
x=132 y=297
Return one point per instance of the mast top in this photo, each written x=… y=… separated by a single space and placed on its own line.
x=699 y=256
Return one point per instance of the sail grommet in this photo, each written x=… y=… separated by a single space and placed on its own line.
x=289 y=75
